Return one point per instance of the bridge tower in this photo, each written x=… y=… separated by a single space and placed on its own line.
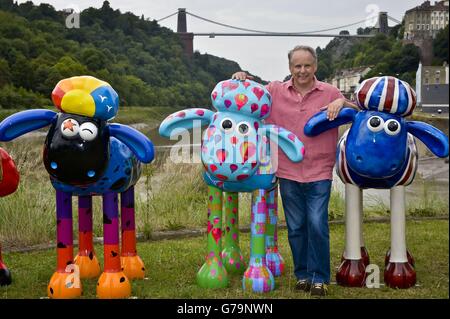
x=383 y=22
x=187 y=38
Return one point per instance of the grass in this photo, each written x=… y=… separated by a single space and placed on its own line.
x=173 y=264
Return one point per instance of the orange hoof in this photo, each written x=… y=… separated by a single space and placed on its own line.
x=64 y=285
x=89 y=266
x=133 y=267
x=113 y=285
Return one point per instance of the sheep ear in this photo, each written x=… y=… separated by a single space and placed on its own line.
x=433 y=138
x=185 y=120
x=139 y=144
x=319 y=123
x=24 y=122
x=289 y=143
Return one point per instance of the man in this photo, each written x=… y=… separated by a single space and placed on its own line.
x=305 y=187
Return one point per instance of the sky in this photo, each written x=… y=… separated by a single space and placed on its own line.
x=263 y=56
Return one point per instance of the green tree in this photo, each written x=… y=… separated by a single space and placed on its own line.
x=5 y=74
x=440 y=47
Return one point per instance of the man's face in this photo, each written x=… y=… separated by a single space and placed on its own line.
x=302 y=67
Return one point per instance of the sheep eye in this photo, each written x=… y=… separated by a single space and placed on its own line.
x=226 y=125
x=70 y=128
x=88 y=131
x=392 y=127
x=375 y=123
x=243 y=128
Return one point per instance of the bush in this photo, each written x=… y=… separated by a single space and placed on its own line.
x=12 y=97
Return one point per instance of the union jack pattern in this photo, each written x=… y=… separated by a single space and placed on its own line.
x=386 y=94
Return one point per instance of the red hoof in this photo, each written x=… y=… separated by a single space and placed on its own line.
x=399 y=275
x=364 y=256
x=351 y=273
x=411 y=260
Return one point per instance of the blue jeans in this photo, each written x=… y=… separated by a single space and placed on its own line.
x=306 y=210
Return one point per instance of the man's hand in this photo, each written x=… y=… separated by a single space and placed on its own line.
x=242 y=76
x=333 y=108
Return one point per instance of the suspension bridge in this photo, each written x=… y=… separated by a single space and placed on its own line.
x=187 y=38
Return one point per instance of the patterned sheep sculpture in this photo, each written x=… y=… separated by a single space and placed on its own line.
x=85 y=156
x=236 y=156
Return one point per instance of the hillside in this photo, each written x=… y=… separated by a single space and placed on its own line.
x=140 y=59
x=386 y=54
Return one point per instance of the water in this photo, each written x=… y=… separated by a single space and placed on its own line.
x=432 y=177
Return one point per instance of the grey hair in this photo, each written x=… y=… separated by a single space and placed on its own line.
x=304 y=48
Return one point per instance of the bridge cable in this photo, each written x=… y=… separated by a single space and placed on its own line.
x=170 y=15
x=393 y=19
x=269 y=32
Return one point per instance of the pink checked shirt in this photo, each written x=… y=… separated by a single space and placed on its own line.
x=291 y=111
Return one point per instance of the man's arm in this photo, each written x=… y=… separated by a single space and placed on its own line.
x=335 y=107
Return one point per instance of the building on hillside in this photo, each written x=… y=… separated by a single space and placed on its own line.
x=347 y=80
x=432 y=85
x=426 y=20
x=422 y=24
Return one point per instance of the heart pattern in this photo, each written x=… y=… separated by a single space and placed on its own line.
x=221 y=155
x=229 y=86
x=217 y=234
x=258 y=92
x=264 y=110
x=210 y=131
x=241 y=100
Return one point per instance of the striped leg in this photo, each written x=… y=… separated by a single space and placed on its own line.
x=5 y=275
x=273 y=258
x=231 y=254
x=65 y=282
x=213 y=273
x=258 y=277
x=132 y=264
x=86 y=259
x=113 y=283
